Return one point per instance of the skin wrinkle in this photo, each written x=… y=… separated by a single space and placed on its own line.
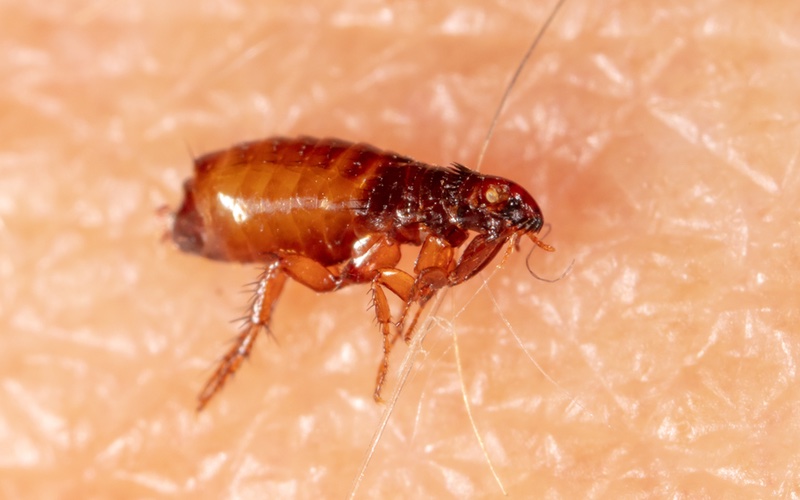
x=660 y=142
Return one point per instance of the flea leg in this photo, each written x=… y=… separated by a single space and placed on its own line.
x=478 y=254
x=401 y=284
x=269 y=288
x=436 y=269
x=302 y=269
x=428 y=282
x=371 y=268
x=384 y=321
x=434 y=263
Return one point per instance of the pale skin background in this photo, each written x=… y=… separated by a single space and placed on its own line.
x=660 y=139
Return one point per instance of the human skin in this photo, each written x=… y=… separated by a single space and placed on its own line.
x=660 y=141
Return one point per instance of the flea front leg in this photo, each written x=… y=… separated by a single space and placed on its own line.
x=268 y=289
x=436 y=269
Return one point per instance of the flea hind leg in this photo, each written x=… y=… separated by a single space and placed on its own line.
x=301 y=269
x=268 y=289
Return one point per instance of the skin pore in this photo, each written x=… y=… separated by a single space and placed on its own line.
x=660 y=142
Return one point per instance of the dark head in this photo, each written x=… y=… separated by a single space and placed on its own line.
x=497 y=207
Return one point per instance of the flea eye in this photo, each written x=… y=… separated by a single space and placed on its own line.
x=492 y=195
x=495 y=194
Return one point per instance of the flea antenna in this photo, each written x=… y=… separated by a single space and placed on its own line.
x=510 y=86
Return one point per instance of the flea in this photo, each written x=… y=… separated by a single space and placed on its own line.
x=329 y=213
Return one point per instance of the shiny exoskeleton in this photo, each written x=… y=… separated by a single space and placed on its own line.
x=330 y=213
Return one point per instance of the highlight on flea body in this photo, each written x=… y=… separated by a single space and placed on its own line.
x=329 y=213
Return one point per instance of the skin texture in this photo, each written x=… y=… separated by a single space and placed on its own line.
x=660 y=141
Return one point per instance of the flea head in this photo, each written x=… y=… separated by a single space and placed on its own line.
x=498 y=207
